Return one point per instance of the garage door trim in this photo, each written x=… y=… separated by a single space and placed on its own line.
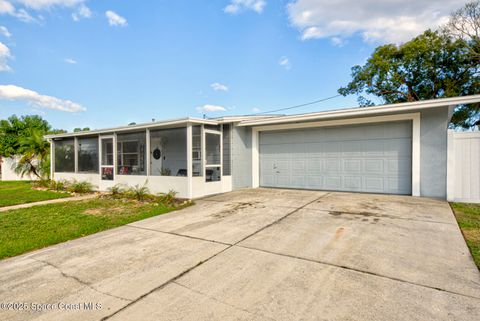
x=414 y=117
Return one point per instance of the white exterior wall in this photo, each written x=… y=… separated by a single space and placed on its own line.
x=463 y=178
x=8 y=174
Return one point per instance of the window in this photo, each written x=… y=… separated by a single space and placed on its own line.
x=64 y=156
x=227 y=150
x=88 y=155
x=197 y=150
x=131 y=154
x=213 y=157
x=168 y=152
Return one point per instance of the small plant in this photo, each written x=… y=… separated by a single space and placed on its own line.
x=140 y=193
x=58 y=185
x=117 y=190
x=168 y=199
x=80 y=187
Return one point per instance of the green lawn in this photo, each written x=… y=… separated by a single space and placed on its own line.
x=32 y=228
x=20 y=192
x=468 y=217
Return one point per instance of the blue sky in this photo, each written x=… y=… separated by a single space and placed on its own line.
x=81 y=63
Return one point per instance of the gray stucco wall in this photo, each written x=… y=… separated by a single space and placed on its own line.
x=241 y=157
x=433 y=152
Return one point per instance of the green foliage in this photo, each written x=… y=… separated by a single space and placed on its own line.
x=117 y=190
x=432 y=65
x=168 y=199
x=78 y=129
x=80 y=187
x=139 y=192
x=14 y=129
x=60 y=185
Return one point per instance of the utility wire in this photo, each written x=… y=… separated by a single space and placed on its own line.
x=296 y=106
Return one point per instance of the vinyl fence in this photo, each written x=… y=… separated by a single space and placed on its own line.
x=463 y=178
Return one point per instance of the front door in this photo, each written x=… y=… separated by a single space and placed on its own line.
x=107 y=168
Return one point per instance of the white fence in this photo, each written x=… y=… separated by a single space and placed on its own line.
x=8 y=174
x=463 y=178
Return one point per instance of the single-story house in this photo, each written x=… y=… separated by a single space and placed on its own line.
x=392 y=149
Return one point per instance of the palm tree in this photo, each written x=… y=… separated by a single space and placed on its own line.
x=35 y=155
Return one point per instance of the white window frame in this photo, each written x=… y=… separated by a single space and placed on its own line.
x=100 y=154
x=204 y=148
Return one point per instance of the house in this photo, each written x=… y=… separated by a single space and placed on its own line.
x=392 y=149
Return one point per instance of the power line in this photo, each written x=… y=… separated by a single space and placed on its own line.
x=296 y=106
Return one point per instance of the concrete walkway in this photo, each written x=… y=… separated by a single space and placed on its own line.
x=54 y=201
x=258 y=255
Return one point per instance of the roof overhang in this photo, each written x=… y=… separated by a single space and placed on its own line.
x=153 y=125
x=358 y=112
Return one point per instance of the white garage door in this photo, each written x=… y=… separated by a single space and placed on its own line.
x=372 y=158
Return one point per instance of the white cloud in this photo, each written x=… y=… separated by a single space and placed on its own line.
x=393 y=21
x=47 y=4
x=6 y=8
x=82 y=12
x=15 y=93
x=237 y=6
x=219 y=87
x=210 y=108
x=285 y=62
x=5 y=56
x=4 y=31
x=256 y=110
x=70 y=61
x=115 y=20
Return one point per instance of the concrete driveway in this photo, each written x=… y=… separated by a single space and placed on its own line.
x=259 y=254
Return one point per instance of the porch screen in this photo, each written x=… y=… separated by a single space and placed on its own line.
x=64 y=156
x=131 y=153
x=88 y=155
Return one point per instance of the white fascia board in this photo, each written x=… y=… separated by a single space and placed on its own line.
x=153 y=125
x=366 y=111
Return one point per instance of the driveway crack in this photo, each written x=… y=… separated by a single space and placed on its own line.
x=222 y=302
x=78 y=280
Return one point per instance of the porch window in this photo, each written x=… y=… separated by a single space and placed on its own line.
x=88 y=155
x=168 y=152
x=131 y=154
x=64 y=156
x=213 y=157
x=197 y=150
x=227 y=149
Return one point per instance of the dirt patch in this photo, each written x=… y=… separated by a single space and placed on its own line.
x=112 y=211
x=472 y=234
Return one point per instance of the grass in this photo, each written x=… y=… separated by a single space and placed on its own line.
x=20 y=192
x=32 y=228
x=468 y=218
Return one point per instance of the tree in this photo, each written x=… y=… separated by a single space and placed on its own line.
x=432 y=65
x=13 y=129
x=465 y=24
x=22 y=137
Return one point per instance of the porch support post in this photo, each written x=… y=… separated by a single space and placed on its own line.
x=189 y=162
x=52 y=158
x=147 y=152
x=75 y=152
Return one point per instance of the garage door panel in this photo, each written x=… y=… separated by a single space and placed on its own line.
x=370 y=158
x=352 y=165
x=374 y=166
x=374 y=184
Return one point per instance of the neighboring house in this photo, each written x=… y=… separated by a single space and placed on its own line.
x=7 y=165
x=392 y=149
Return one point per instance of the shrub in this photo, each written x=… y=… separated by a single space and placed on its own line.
x=58 y=185
x=117 y=190
x=168 y=199
x=140 y=193
x=80 y=187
